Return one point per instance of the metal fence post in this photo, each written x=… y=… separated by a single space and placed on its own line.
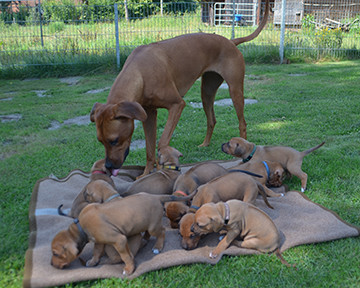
x=40 y=21
x=282 y=33
x=117 y=36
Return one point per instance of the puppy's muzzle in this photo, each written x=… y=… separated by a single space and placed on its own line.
x=225 y=147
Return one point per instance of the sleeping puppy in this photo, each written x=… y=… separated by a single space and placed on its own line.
x=187 y=183
x=272 y=173
x=161 y=181
x=255 y=228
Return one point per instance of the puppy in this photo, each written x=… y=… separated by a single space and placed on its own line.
x=235 y=185
x=255 y=227
x=161 y=181
x=187 y=183
x=113 y=223
x=272 y=173
x=289 y=158
x=98 y=173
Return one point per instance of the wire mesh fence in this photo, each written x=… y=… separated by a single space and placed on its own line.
x=41 y=33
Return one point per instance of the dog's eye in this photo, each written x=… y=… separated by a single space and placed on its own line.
x=114 y=142
x=192 y=236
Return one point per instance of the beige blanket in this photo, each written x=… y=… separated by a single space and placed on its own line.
x=299 y=220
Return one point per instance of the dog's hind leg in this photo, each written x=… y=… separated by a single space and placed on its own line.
x=210 y=83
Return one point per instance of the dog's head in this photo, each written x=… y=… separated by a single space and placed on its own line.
x=237 y=147
x=114 y=128
x=175 y=211
x=169 y=156
x=207 y=220
x=99 y=168
x=277 y=174
x=64 y=250
x=189 y=240
x=98 y=191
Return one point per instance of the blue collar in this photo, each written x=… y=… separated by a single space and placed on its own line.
x=267 y=170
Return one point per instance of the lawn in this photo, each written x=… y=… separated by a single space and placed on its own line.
x=299 y=105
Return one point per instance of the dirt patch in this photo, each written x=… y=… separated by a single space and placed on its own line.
x=70 y=80
x=41 y=93
x=10 y=118
x=81 y=120
x=223 y=102
x=97 y=90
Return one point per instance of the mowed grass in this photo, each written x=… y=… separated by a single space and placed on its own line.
x=299 y=106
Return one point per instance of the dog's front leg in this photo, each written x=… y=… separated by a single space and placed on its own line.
x=224 y=243
x=98 y=252
x=149 y=126
x=175 y=110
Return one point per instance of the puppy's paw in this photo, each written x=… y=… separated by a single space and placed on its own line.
x=92 y=262
x=302 y=190
x=221 y=237
x=212 y=255
x=155 y=251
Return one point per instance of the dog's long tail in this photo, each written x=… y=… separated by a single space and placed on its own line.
x=306 y=152
x=253 y=35
x=283 y=261
x=263 y=194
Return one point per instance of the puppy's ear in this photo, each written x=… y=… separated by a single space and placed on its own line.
x=93 y=110
x=217 y=222
x=131 y=110
x=238 y=151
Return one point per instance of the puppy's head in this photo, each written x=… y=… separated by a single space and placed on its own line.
x=97 y=191
x=237 y=147
x=190 y=240
x=207 y=220
x=277 y=174
x=169 y=156
x=174 y=211
x=64 y=250
x=114 y=128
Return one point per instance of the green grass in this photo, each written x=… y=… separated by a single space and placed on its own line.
x=298 y=111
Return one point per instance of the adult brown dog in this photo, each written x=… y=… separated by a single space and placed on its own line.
x=255 y=228
x=272 y=173
x=112 y=223
x=161 y=181
x=100 y=179
x=158 y=76
x=289 y=158
x=187 y=183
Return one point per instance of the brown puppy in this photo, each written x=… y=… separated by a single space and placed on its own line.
x=289 y=158
x=112 y=223
x=272 y=173
x=158 y=76
x=255 y=227
x=235 y=185
x=98 y=173
x=161 y=181
x=186 y=183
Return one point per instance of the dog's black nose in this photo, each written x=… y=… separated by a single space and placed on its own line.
x=222 y=147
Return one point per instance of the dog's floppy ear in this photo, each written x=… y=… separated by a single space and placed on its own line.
x=131 y=110
x=217 y=222
x=93 y=110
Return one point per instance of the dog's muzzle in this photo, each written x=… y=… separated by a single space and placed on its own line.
x=224 y=145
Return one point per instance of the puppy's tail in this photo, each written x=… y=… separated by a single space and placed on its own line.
x=170 y=198
x=263 y=194
x=306 y=152
x=253 y=35
x=283 y=261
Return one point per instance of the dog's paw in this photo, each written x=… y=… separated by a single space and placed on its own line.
x=212 y=255
x=91 y=263
x=155 y=251
x=221 y=237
